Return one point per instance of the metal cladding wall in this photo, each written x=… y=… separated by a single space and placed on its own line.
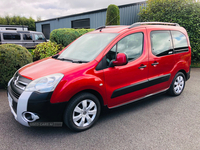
x=128 y=16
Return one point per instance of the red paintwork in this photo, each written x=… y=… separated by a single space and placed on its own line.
x=120 y=60
x=79 y=77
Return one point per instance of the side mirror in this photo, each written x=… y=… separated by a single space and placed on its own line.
x=120 y=60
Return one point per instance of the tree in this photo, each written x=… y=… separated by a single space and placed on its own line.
x=112 y=15
x=17 y=20
x=184 y=12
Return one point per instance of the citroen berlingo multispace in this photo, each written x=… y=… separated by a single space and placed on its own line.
x=111 y=66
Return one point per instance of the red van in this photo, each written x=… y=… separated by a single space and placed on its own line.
x=111 y=66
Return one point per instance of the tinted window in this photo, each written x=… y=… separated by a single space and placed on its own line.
x=131 y=45
x=39 y=37
x=161 y=43
x=27 y=36
x=11 y=36
x=179 y=39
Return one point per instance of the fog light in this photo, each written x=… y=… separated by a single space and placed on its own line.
x=29 y=116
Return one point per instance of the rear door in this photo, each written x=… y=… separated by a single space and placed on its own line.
x=127 y=83
x=161 y=60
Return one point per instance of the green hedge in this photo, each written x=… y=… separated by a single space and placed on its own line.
x=184 y=12
x=65 y=36
x=12 y=57
x=46 y=49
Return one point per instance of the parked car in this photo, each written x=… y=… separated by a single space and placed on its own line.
x=28 y=39
x=111 y=66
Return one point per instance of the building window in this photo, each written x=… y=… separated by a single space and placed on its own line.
x=46 y=30
x=82 y=23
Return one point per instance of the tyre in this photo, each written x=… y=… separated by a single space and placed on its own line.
x=82 y=112
x=177 y=85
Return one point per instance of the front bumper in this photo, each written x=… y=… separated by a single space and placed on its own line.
x=21 y=106
x=36 y=104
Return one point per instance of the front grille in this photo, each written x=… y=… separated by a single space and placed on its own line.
x=13 y=93
x=17 y=86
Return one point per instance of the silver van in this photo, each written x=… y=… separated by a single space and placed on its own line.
x=28 y=39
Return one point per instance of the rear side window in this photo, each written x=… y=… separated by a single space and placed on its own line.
x=161 y=43
x=39 y=37
x=180 y=41
x=27 y=37
x=11 y=36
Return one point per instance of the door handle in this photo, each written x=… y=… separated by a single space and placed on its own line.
x=155 y=63
x=142 y=66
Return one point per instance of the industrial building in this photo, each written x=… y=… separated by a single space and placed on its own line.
x=92 y=19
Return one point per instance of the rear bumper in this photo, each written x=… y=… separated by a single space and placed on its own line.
x=188 y=74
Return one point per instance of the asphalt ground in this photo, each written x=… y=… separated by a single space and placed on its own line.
x=159 y=123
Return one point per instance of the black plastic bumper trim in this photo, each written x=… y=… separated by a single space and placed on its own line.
x=140 y=85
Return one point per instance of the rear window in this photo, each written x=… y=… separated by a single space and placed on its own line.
x=39 y=37
x=27 y=37
x=11 y=36
x=161 y=43
x=179 y=39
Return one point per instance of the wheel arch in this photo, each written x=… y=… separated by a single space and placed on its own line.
x=94 y=92
x=184 y=72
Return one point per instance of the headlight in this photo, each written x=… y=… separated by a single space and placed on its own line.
x=45 y=84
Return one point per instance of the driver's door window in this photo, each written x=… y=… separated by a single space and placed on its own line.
x=131 y=45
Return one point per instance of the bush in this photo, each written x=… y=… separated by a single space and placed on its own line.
x=65 y=36
x=184 y=12
x=46 y=49
x=12 y=57
x=112 y=15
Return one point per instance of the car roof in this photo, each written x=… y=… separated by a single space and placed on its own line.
x=147 y=25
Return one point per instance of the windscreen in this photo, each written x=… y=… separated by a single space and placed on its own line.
x=87 y=47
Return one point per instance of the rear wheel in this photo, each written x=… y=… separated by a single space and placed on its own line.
x=82 y=112
x=178 y=84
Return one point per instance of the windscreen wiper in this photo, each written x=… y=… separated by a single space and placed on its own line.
x=73 y=61
x=65 y=59
x=80 y=61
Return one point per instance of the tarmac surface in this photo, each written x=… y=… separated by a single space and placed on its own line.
x=159 y=123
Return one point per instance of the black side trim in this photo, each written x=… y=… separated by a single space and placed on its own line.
x=130 y=88
x=158 y=80
x=140 y=85
x=181 y=49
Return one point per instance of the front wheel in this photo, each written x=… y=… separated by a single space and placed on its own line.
x=177 y=85
x=82 y=112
